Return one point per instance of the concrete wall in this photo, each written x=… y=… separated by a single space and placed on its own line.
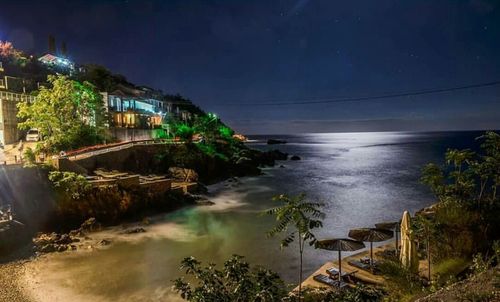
x=8 y=122
x=126 y=134
x=159 y=186
x=64 y=164
x=136 y=159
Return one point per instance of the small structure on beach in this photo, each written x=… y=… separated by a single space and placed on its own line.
x=408 y=254
x=340 y=245
x=370 y=235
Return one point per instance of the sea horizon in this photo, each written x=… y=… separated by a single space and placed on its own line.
x=388 y=131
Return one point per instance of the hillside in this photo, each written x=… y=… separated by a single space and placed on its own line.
x=481 y=287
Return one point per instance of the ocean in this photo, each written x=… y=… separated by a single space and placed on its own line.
x=362 y=178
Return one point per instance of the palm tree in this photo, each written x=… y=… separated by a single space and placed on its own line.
x=299 y=215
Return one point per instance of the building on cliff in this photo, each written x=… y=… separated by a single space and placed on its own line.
x=12 y=90
x=58 y=64
x=141 y=108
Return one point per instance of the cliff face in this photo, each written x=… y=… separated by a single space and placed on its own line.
x=29 y=193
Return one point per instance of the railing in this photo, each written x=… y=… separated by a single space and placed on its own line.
x=12 y=96
x=101 y=149
x=98 y=149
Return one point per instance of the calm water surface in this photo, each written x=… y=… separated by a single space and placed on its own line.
x=363 y=178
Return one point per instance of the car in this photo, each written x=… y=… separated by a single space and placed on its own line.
x=33 y=135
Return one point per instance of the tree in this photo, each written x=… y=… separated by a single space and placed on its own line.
x=300 y=215
x=102 y=78
x=237 y=281
x=68 y=115
x=425 y=230
x=183 y=131
x=466 y=187
x=6 y=49
x=10 y=53
x=208 y=126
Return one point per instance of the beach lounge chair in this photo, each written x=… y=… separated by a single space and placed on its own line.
x=364 y=266
x=333 y=272
x=329 y=281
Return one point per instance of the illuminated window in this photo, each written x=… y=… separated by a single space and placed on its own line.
x=2 y=84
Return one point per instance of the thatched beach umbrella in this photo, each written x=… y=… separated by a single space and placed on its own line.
x=340 y=245
x=391 y=226
x=370 y=235
x=408 y=254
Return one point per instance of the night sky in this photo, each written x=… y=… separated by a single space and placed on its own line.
x=227 y=55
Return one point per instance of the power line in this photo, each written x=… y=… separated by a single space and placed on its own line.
x=375 y=97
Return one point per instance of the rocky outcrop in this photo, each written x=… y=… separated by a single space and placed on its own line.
x=270 y=157
x=248 y=161
x=202 y=200
x=54 y=242
x=295 y=157
x=275 y=141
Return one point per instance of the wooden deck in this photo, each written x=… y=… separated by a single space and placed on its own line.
x=362 y=275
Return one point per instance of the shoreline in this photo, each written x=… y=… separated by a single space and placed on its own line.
x=20 y=271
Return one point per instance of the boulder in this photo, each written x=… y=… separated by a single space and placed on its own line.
x=134 y=231
x=90 y=225
x=183 y=174
x=105 y=242
x=76 y=233
x=64 y=239
x=46 y=239
x=268 y=158
x=243 y=161
x=275 y=141
x=295 y=157
x=203 y=201
x=62 y=247
x=48 y=248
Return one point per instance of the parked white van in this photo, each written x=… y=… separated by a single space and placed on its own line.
x=33 y=135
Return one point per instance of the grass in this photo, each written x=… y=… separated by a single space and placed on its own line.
x=446 y=270
x=401 y=284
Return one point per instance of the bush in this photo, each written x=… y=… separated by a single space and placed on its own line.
x=29 y=156
x=237 y=281
x=360 y=293
x=401 y=283
x=446 y=270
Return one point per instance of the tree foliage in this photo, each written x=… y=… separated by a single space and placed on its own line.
x=102 y=78
x=70 y=184
x=236 y=282
x=297 y=218
x=466 y=217
x=7 y=51
x=359 y=293
x=68 y=115
x=467 y=177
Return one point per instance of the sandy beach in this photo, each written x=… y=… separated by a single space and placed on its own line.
x=11 y=278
